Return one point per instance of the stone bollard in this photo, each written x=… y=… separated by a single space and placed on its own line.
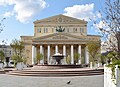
x=91 y=65
x=1 y=65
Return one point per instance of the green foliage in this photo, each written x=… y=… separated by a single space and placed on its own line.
x=103 y=59
x=24 y=60
x=114 y=61
x=39 y=57
x=76 y=56
x=18 y=48
x=2 y=56
x=94 y=50
x=112 y=66
x=16 y=59
x=68 y=59
x=82 y=60
x=111 y=56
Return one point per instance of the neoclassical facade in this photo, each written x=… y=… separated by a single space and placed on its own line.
x=59 y=34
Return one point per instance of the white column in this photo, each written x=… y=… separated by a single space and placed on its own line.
x=33 y=54
x=64 y=53
x=48 y=56
x=72 y=54
x=56 y=49
x=79 y=52
x=42 y=52
x=41 y=49
x=86 y=55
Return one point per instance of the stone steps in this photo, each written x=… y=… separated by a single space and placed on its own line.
x=56 y=72
x=54 y=75
x=2 y=72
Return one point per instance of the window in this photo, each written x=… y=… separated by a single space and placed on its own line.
x=74 y=29
x=52 y=30
x=39 y=30
x=45 y=30
x=80 y=30
x=68 y=30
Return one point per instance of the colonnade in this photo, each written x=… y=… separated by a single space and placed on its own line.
x=34 y=52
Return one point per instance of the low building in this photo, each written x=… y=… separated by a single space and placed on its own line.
x=7 y=50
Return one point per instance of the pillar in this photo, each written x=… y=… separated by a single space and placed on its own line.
x=56 y=49
x=86 y=55
x=79 y=52
x=72 y=54
x=42 y=52
x=64 y=53
x=33 y=54
x=48 y=55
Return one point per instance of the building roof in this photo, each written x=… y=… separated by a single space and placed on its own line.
x=61 y=19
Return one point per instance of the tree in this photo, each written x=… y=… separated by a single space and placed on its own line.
x=94 y=50
x=68 y=59
x=111 y=26
x=2 y=56
x=2 y=25
x=18 y=48
x=16 y=59
x=76 y=57
x=39 y=57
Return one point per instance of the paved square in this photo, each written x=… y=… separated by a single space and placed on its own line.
x=24 y=81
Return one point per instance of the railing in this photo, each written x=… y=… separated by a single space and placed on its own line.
x=111 y=79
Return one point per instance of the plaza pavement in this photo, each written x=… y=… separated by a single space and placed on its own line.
x=28 y=81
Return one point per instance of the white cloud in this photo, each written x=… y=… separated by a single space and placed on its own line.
x=24 y=10
x=8 y=14
x=98 y=14
x=102 y=25
x=80 y=11
x=6 y=2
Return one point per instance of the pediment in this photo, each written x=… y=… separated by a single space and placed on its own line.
x=58 y=36
x=61 y=19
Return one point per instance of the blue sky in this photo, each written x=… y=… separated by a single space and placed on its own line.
x=20 y=14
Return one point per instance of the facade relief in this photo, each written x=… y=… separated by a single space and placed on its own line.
x=59 y=37
x=60 y=19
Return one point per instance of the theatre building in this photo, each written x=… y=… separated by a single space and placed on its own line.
x=59 y=34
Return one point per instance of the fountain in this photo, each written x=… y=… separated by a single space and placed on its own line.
x=58 y=58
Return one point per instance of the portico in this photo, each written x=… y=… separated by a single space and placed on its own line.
x=63 y=49
x=68 y=45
